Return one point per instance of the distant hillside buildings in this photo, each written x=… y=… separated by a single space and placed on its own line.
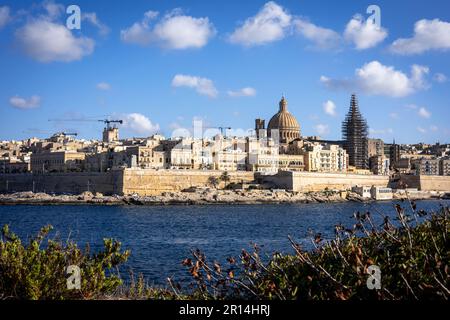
x=280 y=146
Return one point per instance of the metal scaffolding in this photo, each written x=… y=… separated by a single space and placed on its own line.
x=354 y=134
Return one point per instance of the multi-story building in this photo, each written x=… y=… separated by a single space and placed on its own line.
x=58 y=161
x=110 y=134
x=263 y=155
x=394 y=154
x=426 y=166
x=379 y=165
x=292 y=162
x=403 y=165
x=148 y=155
x=375 y=147
x=444 y=167
x=14 y=165
x=228 y=154
x=182 y=155
x=325 y=158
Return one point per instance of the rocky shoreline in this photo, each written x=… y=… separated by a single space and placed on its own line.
x=199 y=197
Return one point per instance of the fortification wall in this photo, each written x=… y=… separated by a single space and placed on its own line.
x=435 y=183
x=426 y=183
x=409 y=181
x=154 y=182
x=309 y=181
x=74 y=183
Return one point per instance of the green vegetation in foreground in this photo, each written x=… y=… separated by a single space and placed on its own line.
x=413 y=258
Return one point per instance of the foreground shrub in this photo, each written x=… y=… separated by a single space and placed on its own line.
x=411 y=252
x=36 y=272
x=413 y=258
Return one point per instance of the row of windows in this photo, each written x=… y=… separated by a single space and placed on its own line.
x=148 y=160
x=384 y=191
x=54 y=161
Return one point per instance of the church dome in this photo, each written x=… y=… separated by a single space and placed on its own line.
x=285 y=123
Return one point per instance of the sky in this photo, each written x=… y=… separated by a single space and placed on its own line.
x=159 y=64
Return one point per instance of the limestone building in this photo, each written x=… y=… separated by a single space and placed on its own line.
x=58 y=161
x=425 y=166
x=325 y=158
x=375 y=147
x=379 y=164
x=110 y=134
x=444 y=167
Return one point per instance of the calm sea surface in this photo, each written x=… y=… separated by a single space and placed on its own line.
x=161 y=237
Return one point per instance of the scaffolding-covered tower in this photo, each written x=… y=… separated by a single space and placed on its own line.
x=354 y=134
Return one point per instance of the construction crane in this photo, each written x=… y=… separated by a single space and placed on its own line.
x=108 y=122
x=69 y=133
x=223 y=130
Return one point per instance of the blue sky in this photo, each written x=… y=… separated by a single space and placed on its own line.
x=161 y=64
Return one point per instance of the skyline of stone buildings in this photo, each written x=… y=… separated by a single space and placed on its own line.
x=280 y=146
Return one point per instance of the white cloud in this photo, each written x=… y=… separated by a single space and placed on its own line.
x=270 y=24
x=92 y=18
x=375 y=78
x=434 y=128
x=428 y=35
x=417 y=76
x=329 y=108
x=322 y=129
x=175 y=126
x=338 y=84
x=140 y=32
x=364 y=34
x=424 y=113
x=411 y=106
x=203 y=86
x=321 y=37
x=374 y=132
x=393 y=115
x=4 y=16
x=24 y=103
x=103 y=86
x=421 y=130
x=46 y=41
x=140 y=124
x=440 y=77
x=54 y=10
x=173 y=31
x=244 y=92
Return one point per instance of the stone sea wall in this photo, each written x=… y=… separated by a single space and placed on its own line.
x=427 y=183
x=156 y=182
x=310 y=181
x=60 y=183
